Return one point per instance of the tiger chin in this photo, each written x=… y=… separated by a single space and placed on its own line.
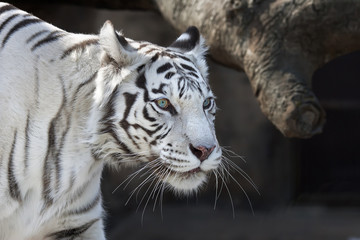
x=72 y=103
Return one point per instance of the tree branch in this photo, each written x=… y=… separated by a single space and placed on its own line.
x=279 y=44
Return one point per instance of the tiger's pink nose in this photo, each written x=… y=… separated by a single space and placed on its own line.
x=201 y=152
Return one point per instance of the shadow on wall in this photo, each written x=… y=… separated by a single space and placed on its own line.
x=242 y=128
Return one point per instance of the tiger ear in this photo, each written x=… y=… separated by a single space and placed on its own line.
x=192 y=44
x=116 y=46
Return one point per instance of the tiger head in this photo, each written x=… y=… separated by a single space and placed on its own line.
x=154 y=106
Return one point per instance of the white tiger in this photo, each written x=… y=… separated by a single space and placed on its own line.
x=70 y=103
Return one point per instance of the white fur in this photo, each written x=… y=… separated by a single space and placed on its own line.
x=197 y=54
x=43 y=93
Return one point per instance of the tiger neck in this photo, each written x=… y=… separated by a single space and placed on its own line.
x=77 y=73
x=81 y=87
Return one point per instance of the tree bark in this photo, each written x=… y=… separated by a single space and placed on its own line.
x=278 y=43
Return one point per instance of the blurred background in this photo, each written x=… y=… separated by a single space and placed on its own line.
x=310 y=189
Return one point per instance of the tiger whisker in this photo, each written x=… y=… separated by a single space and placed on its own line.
x=139 y=187
x=242 y=173
x=130 y=178
x=162 y=194
x=154 y=169
x=134 y=174
x=153 y=164
x=227 y=189
x=156 y=193
x=164 y=172
x=242 y=189
x=216 y=189
x=142 y=199
x=153 y=174
x=152 y=193
x=232 y=154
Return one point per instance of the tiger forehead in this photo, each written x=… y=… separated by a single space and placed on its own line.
x=178 y=76
x=168 y=67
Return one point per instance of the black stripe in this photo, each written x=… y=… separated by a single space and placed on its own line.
x=155 y=109
x=164 y=68
x=184 y=58
x=146 y=115
x=83 y=84
x=129 y=101
x=7 y=21
x=47 y=165
x=148 y=132
x=18 y=26
x=181 y=86
x=79 y=46
x=121 y=144
x=35 y=35
x=108 y=125
x=86 y=207
x=164 y=135
x=6 y=8
x=71 y=233
x=154 y=58
x=53 y=36
x=58 y=167
x=52 y=161
x=160 y=89
x=141 y=83
x=193 y=74
x=169 y=75
x=96 y=151
x=58 y=151
x=27 y=143
x=109 y=110
x=187 y=67
x=139 y=68
x=13 y=185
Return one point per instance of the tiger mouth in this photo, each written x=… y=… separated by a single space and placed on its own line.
x=187 y=174
x=195 y=170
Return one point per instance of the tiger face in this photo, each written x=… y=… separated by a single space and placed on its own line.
x=154 y=106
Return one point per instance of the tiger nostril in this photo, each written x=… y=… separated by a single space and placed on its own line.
x=201 y=152
x=197 y=152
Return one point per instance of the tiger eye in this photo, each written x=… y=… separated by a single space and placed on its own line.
x=163 y=103
x=207 y=103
